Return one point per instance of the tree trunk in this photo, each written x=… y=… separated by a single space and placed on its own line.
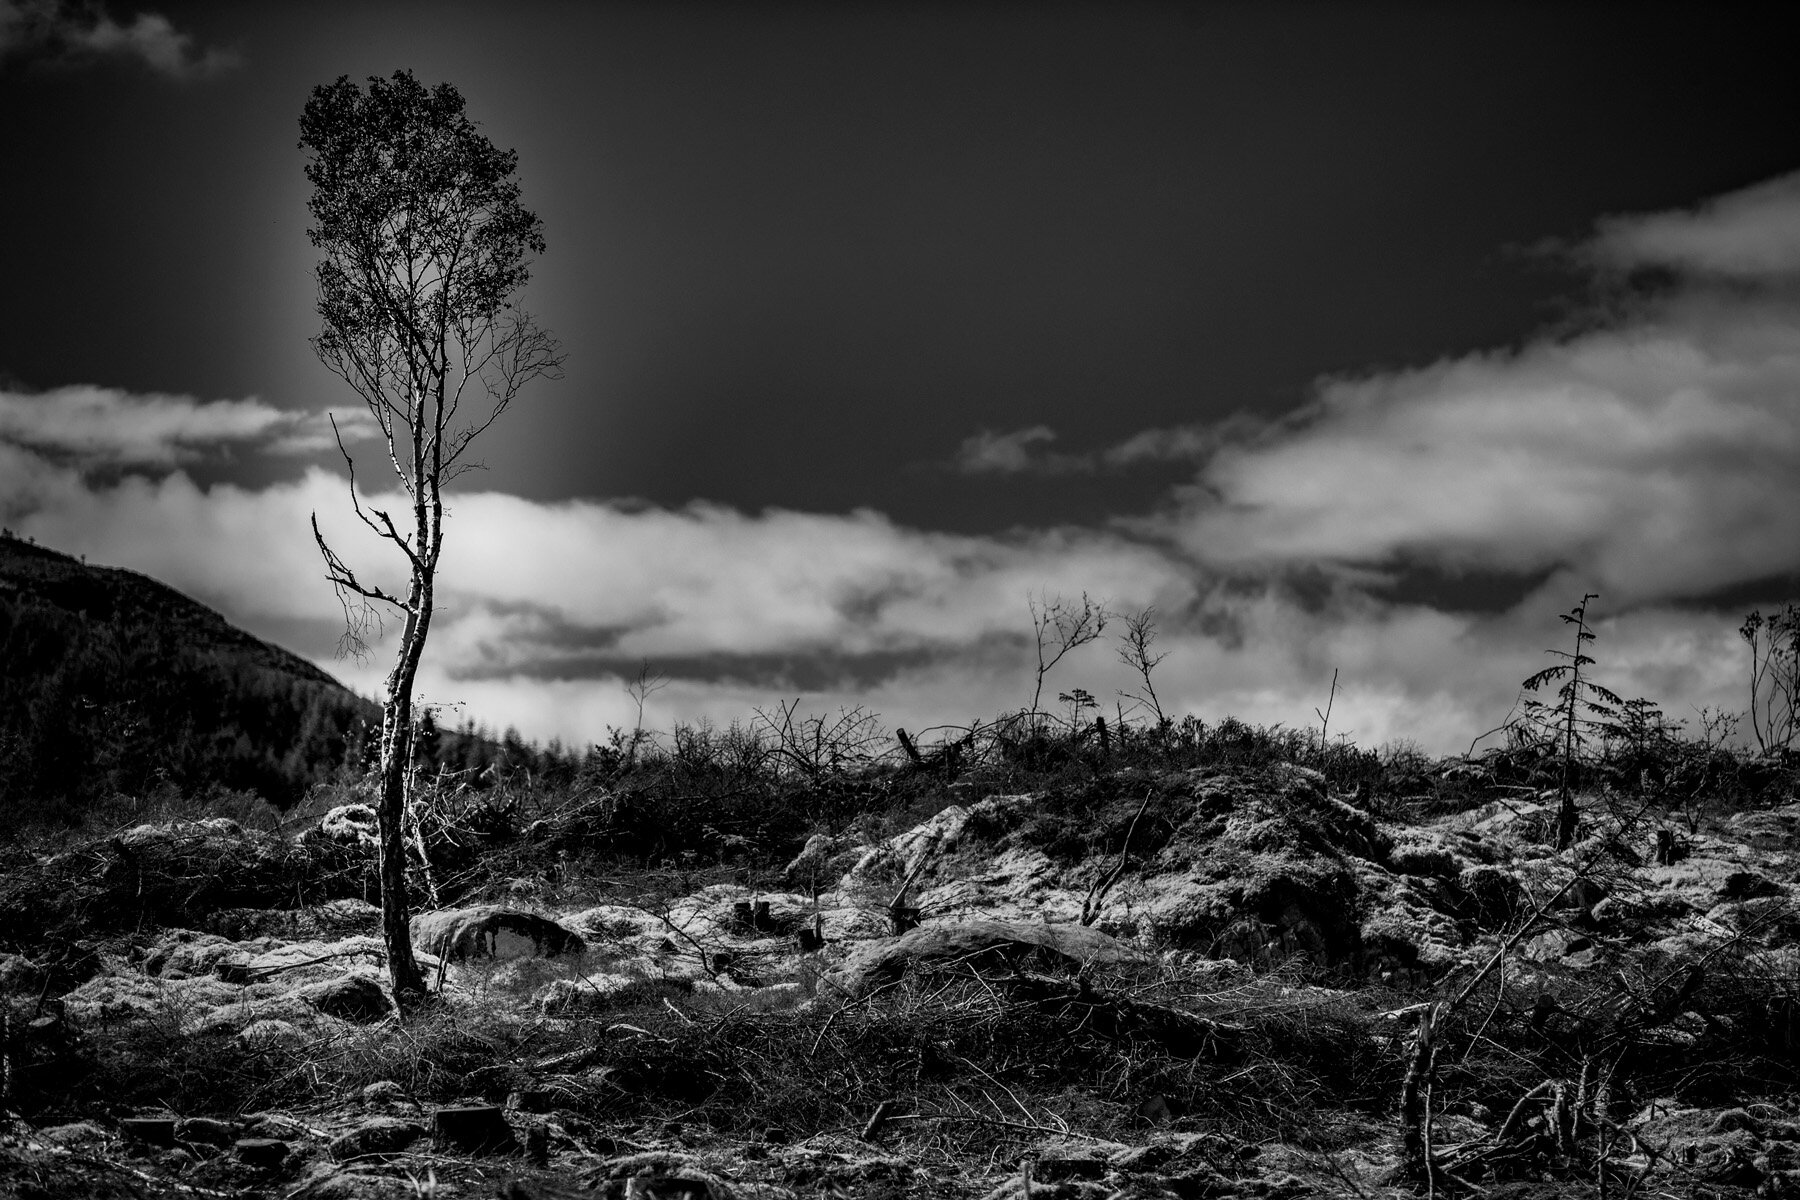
x=1568 y=818
x=396 y=754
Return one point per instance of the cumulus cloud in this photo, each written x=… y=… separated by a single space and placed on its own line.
x=1751 y=234
x=99 y=427
x=1661 y=459
x=65 y=32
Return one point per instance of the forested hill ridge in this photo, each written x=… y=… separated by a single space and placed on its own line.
x=28 y=569
x=116 y=684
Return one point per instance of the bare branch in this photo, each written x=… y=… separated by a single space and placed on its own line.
x=1060 y=626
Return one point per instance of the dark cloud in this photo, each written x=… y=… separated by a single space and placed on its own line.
x=65 y=33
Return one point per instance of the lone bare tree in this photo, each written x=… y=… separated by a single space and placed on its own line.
x=425 y=244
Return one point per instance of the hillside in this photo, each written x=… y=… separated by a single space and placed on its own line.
x=117 y=684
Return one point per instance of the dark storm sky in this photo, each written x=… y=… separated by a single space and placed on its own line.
x=799 y=253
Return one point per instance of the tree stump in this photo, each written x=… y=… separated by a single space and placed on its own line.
x=152 y=1131
x=903 y=917
x=537 y=1144
x=474 y=1129
x=263 y=1153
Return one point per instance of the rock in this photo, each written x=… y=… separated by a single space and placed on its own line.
x=175 y=873
x=318 y=922
x=376 y=1135
x=868 y=966
x=78 y=1133
x=823 y=859
x=359 y=998
x=384 y=1092
x=263 y=1153
x=140 y=838
x=19 y=974
x=1414 y=853
x=492 y=931
x=1733 y=1119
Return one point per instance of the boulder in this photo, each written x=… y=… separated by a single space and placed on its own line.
x=19 y=974
x=359 y=998
x=332 y=919
x=384 y=1092
x=169 y=835
x=78 y=1133
x=350 y=825
x=175 y=872
x=492 y=931
x=822 y=861
x=1077 y=945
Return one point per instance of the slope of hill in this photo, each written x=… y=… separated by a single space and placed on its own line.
x=116 y=683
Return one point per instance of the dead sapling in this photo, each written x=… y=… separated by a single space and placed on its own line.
x=1135 y=652
x=1325 y=717
x=640 y=689
x=1774 y=643
x=901 y=915
x=1095 y=900
x=1059 y=626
